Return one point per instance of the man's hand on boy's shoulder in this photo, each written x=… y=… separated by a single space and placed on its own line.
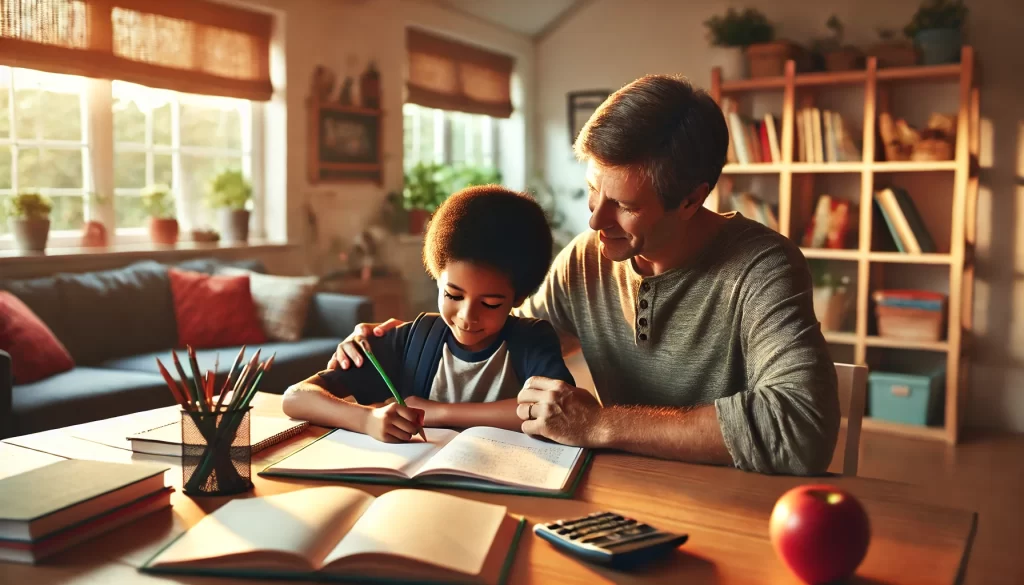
x=348 y=352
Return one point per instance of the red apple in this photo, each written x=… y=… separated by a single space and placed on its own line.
x=821 y=532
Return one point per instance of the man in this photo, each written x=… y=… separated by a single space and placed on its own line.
x=698 y=328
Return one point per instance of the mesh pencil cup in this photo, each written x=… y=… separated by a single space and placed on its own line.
x=216 y=454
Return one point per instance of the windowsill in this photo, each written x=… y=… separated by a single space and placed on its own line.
x=141 y=250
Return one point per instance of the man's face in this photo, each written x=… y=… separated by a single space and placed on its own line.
x=626 y=211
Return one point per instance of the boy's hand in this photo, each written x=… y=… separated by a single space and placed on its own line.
x=433 y=411
x=393 y=423
x=348 y=351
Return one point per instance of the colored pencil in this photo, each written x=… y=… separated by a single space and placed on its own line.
x=197 y=379
x=387 y=380
x=181 y=374
x=231 y=374
x=175 y=390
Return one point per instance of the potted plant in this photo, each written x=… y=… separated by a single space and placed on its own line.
x=751 y=31
x=937 y=28
x=426 y=186
x=158 y=201
x=890 y=52
x=835 y=55
x=28 y=216
x=229 y=193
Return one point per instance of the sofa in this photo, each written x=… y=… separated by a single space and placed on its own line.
x=115 y=323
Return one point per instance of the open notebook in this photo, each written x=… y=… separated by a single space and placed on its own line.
x=336 y=532
x=479 y=458
x=264 y=431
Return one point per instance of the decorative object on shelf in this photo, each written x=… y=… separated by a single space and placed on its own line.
x=910 y=396
x=345 y=143
x=158 y=201
x=733 y=33
x=835 y=55
x=323 y=84
x=369 y=87
x=205 y=235
x=832 y=297
x=582 y=105
x=94 y=233
x=901 y=141
x=751 y=30
x=937 y=28
x=893 y=53
x=345 y=94
x=28 y=216
x=230 y=193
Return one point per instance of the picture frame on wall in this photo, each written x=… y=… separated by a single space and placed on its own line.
x=582 y=105
x=345 y=143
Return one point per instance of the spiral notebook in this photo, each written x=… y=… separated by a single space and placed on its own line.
x=264 y=431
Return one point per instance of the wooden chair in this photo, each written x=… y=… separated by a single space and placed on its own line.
x=853 y=381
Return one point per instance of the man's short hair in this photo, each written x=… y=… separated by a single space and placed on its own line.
x=673 y=133
x=495 y=227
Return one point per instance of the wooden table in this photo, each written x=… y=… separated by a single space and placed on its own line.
x=725 y=512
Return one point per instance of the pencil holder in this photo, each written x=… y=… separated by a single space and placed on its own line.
x=216 y=454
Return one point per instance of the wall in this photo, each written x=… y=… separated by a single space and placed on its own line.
x=344 y=35
x=609 y=43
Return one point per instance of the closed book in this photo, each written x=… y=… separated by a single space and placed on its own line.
x=341 y=533
x=48 y=499
x=264 y=431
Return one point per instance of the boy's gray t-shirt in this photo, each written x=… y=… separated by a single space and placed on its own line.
x=735 y=328
x=467 y=377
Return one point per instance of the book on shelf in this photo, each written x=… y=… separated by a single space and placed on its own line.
x=336 y=532
x=264 y=432
x=822 y=136
x=903 y=221
x=48 y=509
x=829 y=227
x=478 y=458
x=752 y=140
x=753 y=208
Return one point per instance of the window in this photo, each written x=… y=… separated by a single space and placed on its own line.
x=43 y=144
x=159 y=136
x=180 y=140
x=447 y=137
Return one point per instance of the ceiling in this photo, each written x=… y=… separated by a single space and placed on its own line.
x=528 y=17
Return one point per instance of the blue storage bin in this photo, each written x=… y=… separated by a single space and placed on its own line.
x=916 y=399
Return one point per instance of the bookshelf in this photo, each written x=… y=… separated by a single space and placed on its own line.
x=955 y=206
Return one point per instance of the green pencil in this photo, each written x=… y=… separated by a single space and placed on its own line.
x=387 y=380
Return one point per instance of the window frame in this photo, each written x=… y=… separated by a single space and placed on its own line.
x=443 y=134
x=98 y=148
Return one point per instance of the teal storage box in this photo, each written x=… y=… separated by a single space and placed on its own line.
x=915 y=399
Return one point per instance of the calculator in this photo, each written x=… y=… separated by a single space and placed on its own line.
x=611 y=539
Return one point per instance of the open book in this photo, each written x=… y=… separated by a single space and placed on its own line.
x=479 y=458
x=344 y=533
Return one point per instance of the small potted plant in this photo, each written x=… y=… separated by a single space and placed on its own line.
x=426 y=187
x=229 y=193
x=890 y=52
x=28 y=216
x=835 y=55
x=158 y=201
x=750 y=30
x=937 y=28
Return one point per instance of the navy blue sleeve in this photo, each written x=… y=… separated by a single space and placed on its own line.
x=539 y=352
x=364 y=383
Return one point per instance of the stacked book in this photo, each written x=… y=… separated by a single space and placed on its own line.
x=51 y=508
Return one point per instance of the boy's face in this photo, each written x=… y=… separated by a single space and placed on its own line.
x=474 y=302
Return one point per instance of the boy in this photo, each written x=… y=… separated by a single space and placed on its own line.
x=488 y=248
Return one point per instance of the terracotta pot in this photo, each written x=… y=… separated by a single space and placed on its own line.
x=845 y=59
x=894 y=54
x=769 y=59
x=31 y=234
x=418 y=219
x=163 y=231
x=234 y=225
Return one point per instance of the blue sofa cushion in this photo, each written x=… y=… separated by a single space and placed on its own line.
x=294 y=361
x=115 y=313
x=85 y=394
x=211 y=265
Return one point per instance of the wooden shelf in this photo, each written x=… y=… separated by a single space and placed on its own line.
x=752 y=169
x=910 y=166
x=903 y=258
x=957 y=213
x=875 y=341
x=842 y=337
x=905 y=430
x=830 y=254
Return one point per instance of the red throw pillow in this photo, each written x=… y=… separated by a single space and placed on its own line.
x=214 y=311
x=35 y=352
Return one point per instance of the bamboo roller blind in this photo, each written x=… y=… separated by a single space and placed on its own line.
x=193 y=46
x=450 y=75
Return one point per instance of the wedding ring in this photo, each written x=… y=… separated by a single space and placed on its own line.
x=529 y=411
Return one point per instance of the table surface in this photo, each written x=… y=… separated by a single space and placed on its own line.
x=725 y=512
